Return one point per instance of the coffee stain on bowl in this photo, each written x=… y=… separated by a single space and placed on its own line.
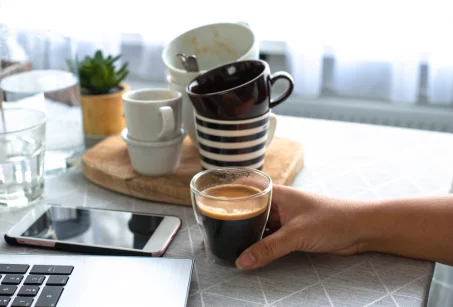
x=200 y=49
x=214 y=31
x=225 y=47
x=195 y=45
x=215 y=47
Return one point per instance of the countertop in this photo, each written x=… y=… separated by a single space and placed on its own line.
x=342 y=160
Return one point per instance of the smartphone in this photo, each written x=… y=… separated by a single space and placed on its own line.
x=94 y=231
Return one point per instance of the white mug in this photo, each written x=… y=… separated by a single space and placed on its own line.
x=186 y=110
x=154 y=159
x=213 y=45
x=152 y=115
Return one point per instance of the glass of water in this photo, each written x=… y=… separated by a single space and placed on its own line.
x=22 y=148
x=56 y=93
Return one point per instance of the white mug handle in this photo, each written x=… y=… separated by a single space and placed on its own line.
x=272 y=127
x=168 y=121
x=243 y=23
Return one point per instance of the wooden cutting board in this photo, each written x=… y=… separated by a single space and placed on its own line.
x=108 y=165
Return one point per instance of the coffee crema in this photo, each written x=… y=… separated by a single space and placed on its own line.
x=223 y=209
x=231 y=220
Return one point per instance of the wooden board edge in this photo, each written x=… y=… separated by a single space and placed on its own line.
x=296 y=166
x=127 y=186
x=136 y=191
x=104 y=180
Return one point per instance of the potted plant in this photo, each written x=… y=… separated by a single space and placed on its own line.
x=101 y=100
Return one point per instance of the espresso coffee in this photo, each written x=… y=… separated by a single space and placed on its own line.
x=231 y=224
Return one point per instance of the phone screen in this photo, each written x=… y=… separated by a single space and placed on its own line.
x=95 y=227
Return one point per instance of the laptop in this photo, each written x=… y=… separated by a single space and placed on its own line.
x=93 y=281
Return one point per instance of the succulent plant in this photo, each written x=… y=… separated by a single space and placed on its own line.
x=98 y=75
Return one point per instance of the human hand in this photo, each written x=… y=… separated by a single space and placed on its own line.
x=300 y=221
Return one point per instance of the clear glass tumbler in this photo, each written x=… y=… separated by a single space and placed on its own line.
x=56 y=93
x=231 y=207
x=22 y=148
x=37 y=75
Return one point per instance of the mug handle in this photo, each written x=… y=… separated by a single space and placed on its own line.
x=281 y=75
x=243 y=23
x=272 y=127
x=168 y=121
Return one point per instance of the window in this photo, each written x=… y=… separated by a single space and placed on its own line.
x=398 y=52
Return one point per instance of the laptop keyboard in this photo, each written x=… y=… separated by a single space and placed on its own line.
x=40 y=286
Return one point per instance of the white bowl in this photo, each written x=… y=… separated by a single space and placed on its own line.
x=154 y=158
x=188 y=120
x=213 y=44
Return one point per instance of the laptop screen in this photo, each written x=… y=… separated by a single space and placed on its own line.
x=95 y=227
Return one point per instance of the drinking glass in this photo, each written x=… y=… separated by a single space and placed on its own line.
x=56 y=93
x=38 y=76
x=22 y=147
x=230 y=223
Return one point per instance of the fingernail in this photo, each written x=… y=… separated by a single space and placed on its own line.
x=246 y=260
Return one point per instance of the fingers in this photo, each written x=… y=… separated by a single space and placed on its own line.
x=268 y=249
x=286 y=202
x=283 y=194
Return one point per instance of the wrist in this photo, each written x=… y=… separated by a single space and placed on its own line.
x=371 y=226
x=409 y=227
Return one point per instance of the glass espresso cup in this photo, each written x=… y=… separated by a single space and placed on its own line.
x=231 y=207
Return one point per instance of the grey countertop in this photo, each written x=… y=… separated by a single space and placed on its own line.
x=342 y=160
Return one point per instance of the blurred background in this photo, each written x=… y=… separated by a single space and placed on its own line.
x=379 y=62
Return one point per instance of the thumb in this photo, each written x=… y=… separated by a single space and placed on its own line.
x=266 y=250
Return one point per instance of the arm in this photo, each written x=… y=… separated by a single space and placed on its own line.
x=412 y=227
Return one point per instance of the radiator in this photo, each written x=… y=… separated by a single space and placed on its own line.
x=422 y=117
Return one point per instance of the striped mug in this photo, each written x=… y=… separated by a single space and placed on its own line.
x=234 y=143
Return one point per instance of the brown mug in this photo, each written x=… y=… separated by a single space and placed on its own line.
x=237 y=90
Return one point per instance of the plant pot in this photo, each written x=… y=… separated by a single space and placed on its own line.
x=103 y=115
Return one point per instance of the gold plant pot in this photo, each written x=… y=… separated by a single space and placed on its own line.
x=103 y=114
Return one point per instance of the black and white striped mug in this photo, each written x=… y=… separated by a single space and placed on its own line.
x=234 y=143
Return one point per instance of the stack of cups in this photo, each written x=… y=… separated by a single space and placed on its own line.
x=213 y=45
x=153 y=132
x=233 y=117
